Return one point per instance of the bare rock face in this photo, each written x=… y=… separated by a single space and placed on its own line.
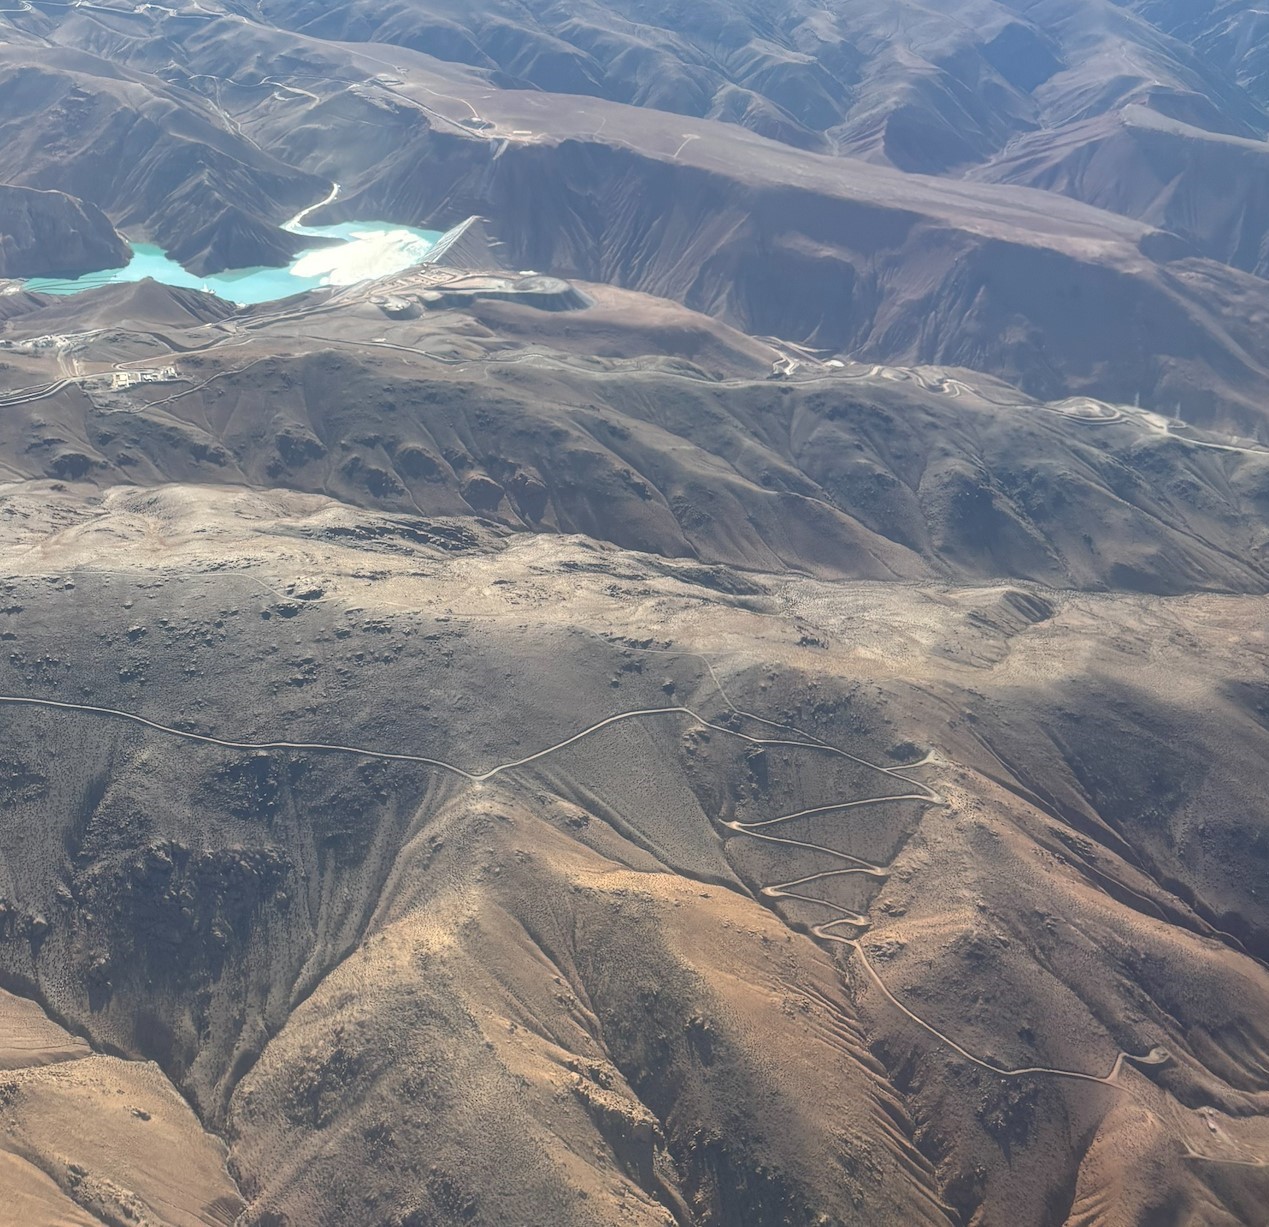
x=51 y=234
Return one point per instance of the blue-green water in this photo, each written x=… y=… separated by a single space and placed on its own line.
x=368 y=249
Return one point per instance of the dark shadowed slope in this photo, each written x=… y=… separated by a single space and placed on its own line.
x=50 y=234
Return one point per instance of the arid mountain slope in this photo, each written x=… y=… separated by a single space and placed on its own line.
x=828 y=250
x=946 y=88
x=1209 y=189
x=568 y=966
x=860 y=260
x=161 y=164
x=767 y=732
x=91 y=1139
x=839 y=471
x=926 y=87
x=48 y=234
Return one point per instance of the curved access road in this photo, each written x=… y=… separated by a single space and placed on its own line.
x=843 y=918
x=24 y=396
x=476 y=777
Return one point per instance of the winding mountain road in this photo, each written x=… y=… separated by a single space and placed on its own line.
x=753 y=830
x=794 y=889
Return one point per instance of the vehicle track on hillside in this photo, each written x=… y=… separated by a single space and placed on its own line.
x=823 y=932
x=475 y=777
x=841 y=917
x=925 y=795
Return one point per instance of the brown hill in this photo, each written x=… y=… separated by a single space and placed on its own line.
x=159 y=162
x=559 y=967
x=641 y=424
x=49 y=234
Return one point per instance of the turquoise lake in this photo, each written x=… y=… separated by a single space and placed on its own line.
x=367 y=249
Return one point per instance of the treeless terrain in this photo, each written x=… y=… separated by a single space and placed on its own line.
x=420 y=855
x=737 y=696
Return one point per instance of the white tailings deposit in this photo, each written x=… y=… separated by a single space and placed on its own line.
x=362 y=251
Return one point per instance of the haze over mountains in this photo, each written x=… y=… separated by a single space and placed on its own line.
x=1054 y=297
x=733 y=694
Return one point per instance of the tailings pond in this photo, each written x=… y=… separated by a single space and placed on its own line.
x=363 y=250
